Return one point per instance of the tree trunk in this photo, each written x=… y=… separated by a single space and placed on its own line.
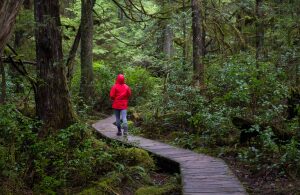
x=259 y=31
x=198 y=46
x=53 y=101
x=3 y=82
x=203 y=28
x=8 y=12
x=168 y=41
x=19 y=40
x=72 y=55
x=86 y=55
x=165 y=38
x=184 y=46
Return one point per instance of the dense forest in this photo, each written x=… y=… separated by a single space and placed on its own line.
x=219 y=77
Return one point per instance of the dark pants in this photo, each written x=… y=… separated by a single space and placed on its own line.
x=121 y=114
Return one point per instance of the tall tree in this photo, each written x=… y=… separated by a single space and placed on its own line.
x=53 y=100
x=184 y=32
x=8 y=12
x=259 y=30
x=198 y=46
x=165 y=39
x=3 y=82
x=168 y=40
x=86 y=84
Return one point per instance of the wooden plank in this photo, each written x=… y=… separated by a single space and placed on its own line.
x=215 y=193
x=210 y=184
x=201 y=174
x=212 y=190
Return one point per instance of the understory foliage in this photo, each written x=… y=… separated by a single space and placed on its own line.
x=247 y=108
x=200 y=119
x=67 y=161
x=138 y=78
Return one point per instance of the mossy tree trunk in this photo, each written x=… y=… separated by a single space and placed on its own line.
x=259 y=30
x=53 y=99
x=165 y=38
x=198 y=46
x=3 y=82
x=8 y=12
x=86 y=55
x=184 y=32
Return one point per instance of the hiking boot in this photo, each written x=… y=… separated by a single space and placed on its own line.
x=125 y=132
x=119 y=133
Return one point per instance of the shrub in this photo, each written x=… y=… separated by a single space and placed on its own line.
x=257 y=92
x=141 y=83
x=17 y=134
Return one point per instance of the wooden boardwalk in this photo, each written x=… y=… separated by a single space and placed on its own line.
x=201 y=174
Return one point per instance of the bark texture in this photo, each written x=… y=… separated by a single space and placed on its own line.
x=53 y=100
x=3 y=82
x=8 y=12
x=198 y=46
x=86 y=55
x=72 y=54
x=168 y=41
x=259 y=30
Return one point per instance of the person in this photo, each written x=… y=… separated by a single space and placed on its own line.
x=119 y=94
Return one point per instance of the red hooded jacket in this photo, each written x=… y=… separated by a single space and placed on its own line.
x=120 y=93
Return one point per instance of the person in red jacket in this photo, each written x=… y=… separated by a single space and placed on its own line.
x=119 y=94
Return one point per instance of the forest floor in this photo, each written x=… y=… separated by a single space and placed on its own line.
x=263 y=182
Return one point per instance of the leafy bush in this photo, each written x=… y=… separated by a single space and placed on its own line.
x=257 y=92
x=291 y=158
x=105 y=77
x=140 y=82
x=17 y=134
x=65 y=159
x=71 y=157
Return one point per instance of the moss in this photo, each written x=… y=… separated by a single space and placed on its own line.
x=99 y=144
x=107 y=185
x=136 y=156
x=156 y=190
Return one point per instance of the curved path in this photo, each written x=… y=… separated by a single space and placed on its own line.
x=201 y=174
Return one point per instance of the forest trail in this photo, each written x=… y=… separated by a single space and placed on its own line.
x=200 y=174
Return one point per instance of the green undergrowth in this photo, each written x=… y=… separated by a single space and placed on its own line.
x=169 y=188
x=202 y=119
x=67 y=161
x=138 y=78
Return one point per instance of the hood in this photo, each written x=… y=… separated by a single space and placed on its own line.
x=120 y=79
